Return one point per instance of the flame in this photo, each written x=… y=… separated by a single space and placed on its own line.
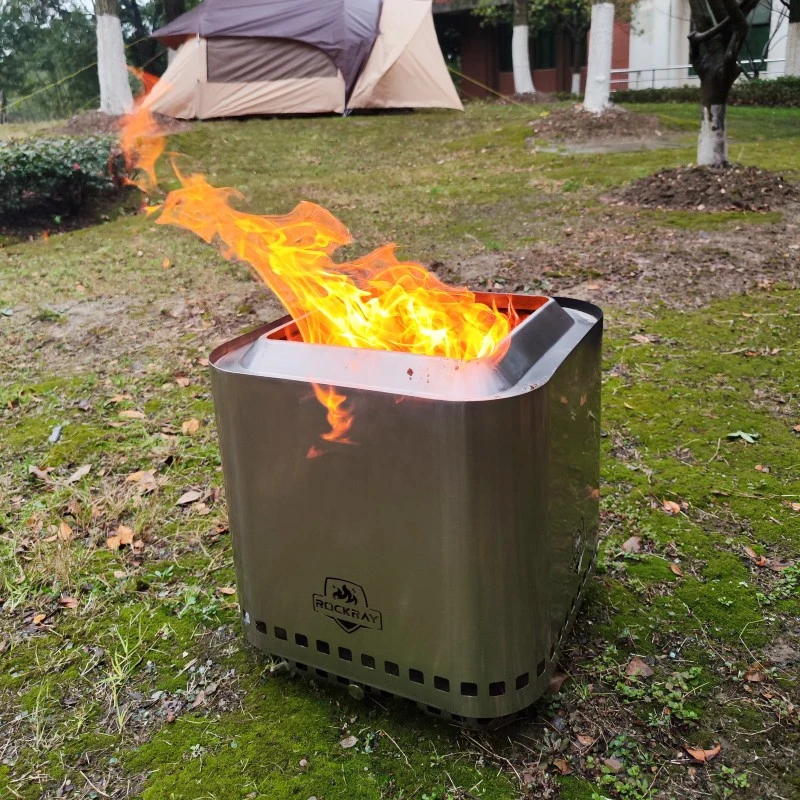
x=375 y=302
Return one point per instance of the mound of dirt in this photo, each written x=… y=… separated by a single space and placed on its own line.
x=735 y=188
x=96 y=122
x=577 y=125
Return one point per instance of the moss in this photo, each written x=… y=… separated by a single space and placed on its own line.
x=709 y=221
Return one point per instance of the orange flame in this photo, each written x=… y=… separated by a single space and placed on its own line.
x=372 y=302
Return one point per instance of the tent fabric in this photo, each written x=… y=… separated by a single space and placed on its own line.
x=223 y=76
x=406 y=68
x=343 y=29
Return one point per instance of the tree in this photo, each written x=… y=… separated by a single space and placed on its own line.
x=792 y=66
x=115 y=89
x=598 y=71
x=720 y=29
x=523 y=82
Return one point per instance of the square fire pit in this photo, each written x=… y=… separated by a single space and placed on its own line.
x=441 y=557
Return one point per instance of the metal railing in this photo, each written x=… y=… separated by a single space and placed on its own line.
x=677 y=75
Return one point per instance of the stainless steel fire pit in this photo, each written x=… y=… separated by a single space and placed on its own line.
x=442 y=556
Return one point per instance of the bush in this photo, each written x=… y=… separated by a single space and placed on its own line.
x=783 y=92
x=56 y=175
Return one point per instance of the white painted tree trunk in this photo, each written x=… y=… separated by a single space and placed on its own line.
x=792 y=66
x=712 y=144
x=598 y=72
x=115 y=90
x=523 y=81
x=576 y=83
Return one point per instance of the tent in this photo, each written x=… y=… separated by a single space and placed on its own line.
x=238 y=57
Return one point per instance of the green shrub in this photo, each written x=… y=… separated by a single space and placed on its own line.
x=783 y=92
x=56 y=175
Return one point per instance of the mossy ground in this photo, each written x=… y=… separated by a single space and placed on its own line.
x=147 y=689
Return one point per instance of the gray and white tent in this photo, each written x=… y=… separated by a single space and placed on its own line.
x=240 y=57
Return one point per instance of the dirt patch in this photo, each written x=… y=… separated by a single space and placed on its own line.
x=576 y=124
x=735 y=188
x=92 y=123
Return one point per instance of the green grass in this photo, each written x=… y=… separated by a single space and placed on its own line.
x=147 y=689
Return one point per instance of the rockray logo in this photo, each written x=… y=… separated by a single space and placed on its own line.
x=345 y=602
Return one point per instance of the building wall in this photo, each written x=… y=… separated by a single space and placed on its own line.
x=659 y=41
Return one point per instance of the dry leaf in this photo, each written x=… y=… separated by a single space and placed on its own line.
x=132 y=413
x=119 y=574
x=188 y=497
x=145 y=478
x=703 y=755
x=641 y=338
x=74 y=508
x=628 y=406
x=614 y=764
x=795 y=506
x=125 y=535
x=117 y=398
x=562 y=766
x=755 y=675
x=190 y=426
x=586 y=741
x=182 y=381
x=226 y=590
x=64 y=531
x=348 y=741
x=554 y=687
x=676 y=569
x=67 y=602
x=199 y=699
x=637 y=667
x=632 y=545
x=758 y=560
x=112 y=542
x=39 y=618
x=79 y=473
x=796 y=428
x=165 y=264
x=762 y=468
x=671 y=507
x=41 y=474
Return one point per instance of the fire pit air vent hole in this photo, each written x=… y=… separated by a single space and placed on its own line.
x=540 y=668
x=522 y=681
x=301 y=639
x=280 y=633
x=368 y=661
x=416 y=676
x=261 y=627
x=323 y=647
x=442 y=684
x=321 y=672
x=345 y=654
x=496 y=689
x=391 y=668
x=469 y=689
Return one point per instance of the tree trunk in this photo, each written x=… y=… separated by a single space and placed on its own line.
x=115 y=90
x=793 y=40
x=3 y=108
x=598 y=71
x=713 y=51
x=523 y=82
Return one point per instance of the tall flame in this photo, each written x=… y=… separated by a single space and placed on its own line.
x=375 y=302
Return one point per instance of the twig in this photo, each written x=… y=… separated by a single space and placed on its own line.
x=719 y=442
x=98 y=790
x=400 y=749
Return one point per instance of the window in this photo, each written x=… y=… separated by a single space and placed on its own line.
x=756 y=47
x=544 y=50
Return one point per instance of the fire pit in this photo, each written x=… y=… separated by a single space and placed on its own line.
x=439 y=551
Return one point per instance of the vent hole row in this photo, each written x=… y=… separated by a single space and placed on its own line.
x=467 y=689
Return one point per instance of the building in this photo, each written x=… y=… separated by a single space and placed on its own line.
x=651 y=51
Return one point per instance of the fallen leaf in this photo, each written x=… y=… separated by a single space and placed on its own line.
x=188 y=497
x=182 y=381
x=755 y=675
x=79 y=473
x=132 y=413
x=562 y=766
x=676 y=569
x=586 y=741
x=758 y=560
x=762 y=468
x=117 y=398
x=796 y=428
x=190 y=426
x=641 y=338
x=145 y=478
x=165 y=264
x=39 y=618
x=125 y=535
x=41 y=474
x=795 y=506
x=778 y=564
x=112 y=542
x=703 y=755
x=119 y=574
x=628 y=406
x=614 y=764
x=554 y=687
x=64 y=531
x=638 y=668
x=348 y=741
x=750 y=438
x=74 y=508
x=67 y=602
x=226 y=590
x=199 y=699
x=671 y=507
x=632 y=545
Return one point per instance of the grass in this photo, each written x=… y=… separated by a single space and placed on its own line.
x=124 y=672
